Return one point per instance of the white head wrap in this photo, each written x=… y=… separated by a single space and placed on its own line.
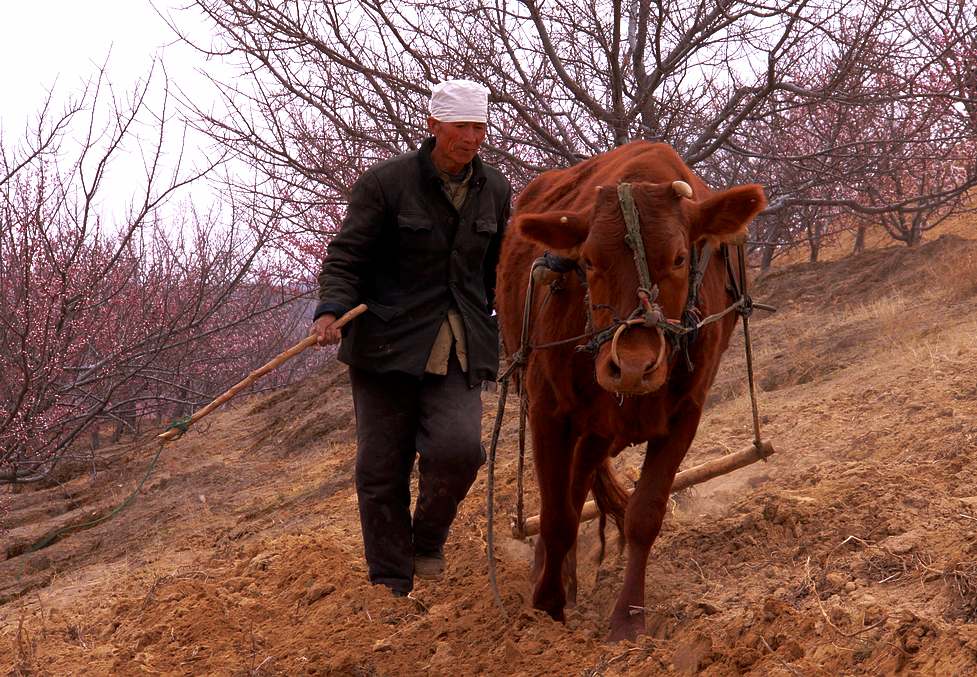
x=459 y=101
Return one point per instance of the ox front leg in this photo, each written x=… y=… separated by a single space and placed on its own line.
x=588 y=453
x=553 y=457
x=569 y=571
x=642 y=523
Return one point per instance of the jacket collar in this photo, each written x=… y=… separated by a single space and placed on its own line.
x=430 y=172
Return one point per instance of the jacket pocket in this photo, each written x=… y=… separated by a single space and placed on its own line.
x=417 y=242
x=414 y=222
x=384 y=312
x=489 y=226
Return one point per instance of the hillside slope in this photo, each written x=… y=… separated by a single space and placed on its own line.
x=852 y=551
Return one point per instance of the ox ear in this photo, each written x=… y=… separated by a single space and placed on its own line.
x=726 y=215
x=558 y=230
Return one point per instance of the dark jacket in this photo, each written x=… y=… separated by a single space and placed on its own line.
x=406 y=252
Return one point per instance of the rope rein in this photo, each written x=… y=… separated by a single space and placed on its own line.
x=633 y=237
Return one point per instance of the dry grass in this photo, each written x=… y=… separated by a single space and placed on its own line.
x=886 y=312
x=905 y=302
x=25 y=650
x=961 y=580
x=959 y=278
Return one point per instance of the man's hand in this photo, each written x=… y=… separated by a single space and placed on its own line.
x=325 y=329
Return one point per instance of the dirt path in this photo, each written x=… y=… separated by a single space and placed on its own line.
x=853 y=551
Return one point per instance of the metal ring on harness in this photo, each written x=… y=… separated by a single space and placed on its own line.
x=620 y=330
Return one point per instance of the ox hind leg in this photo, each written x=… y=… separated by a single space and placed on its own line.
x=564 y=480
x=643 y=521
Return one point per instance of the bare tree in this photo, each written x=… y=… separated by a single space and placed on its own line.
x=328 y=88
x=893 y=146
x=106 y=323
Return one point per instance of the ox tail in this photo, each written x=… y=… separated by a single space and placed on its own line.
x=611 y=499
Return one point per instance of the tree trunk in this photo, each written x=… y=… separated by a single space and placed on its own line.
x=117 y=433
x=766 y=258
x=814 y=239
x=859 y=240
x=915 y=234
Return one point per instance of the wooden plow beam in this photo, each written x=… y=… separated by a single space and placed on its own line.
x=683 y=480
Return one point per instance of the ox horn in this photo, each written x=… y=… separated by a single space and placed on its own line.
x=682 y=189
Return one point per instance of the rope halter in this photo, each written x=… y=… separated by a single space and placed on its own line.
x=647 y=313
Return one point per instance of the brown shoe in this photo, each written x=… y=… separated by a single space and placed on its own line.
x=429 y=567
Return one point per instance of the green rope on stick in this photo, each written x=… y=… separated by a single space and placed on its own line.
x=181 y=424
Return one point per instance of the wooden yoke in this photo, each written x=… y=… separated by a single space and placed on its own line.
x=174 y=433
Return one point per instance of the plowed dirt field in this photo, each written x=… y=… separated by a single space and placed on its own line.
x=853 y=550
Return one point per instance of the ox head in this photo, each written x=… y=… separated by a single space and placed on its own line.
x=672 y=220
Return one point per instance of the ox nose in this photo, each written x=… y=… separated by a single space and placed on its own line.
x=615 y=370
x=632 y=378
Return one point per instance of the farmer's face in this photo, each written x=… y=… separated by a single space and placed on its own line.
x=457 y=142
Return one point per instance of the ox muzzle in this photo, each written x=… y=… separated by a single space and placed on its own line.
x=635 y=362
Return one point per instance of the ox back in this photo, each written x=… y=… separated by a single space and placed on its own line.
x=585 y=407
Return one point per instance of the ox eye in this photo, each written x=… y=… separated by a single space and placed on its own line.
x=680 y=260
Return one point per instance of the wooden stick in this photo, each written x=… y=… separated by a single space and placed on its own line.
x=274 y=363
x=695 y=475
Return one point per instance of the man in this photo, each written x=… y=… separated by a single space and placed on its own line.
x=419 y=246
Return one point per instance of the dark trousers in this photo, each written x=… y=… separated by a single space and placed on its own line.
x=399 y=416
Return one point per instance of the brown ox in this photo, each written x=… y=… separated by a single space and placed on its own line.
x=584 y=409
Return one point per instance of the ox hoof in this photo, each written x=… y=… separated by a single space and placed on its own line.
x=555 y=611
x=626 y=630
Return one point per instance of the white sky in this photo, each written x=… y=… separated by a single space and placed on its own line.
x=60 y=44
x=45 y=43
